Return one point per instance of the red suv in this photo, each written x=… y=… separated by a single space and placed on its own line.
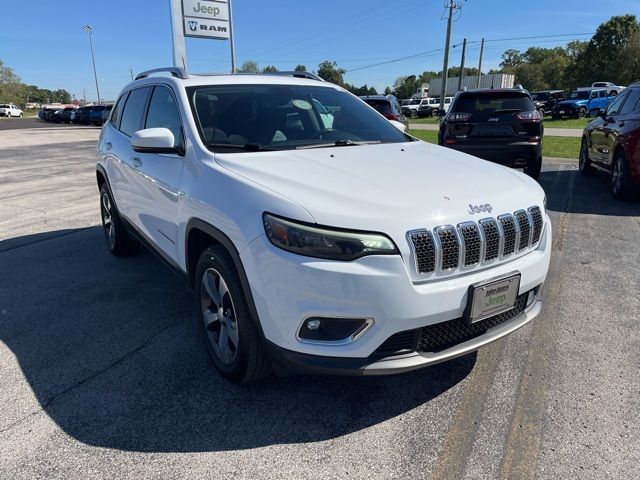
x=611 y=143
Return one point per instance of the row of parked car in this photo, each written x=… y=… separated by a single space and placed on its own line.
x=89 y=115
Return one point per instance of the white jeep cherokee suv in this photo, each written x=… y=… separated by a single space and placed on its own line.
x=10 y=110
x=353 y=249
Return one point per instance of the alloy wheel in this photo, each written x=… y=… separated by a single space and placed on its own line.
x=218 y=315
x=616 y=176
x=107 y=220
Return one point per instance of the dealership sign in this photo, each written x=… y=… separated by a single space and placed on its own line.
x=206 y=18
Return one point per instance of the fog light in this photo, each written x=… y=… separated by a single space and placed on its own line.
x=327 y=329
x=313 y=324
x=531 y=297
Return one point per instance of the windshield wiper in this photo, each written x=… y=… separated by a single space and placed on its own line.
x=337 y=143
x=249 y=147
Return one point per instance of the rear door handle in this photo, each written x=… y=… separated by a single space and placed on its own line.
x=137 y=163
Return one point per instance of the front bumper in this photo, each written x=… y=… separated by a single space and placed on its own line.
x=288 y=288
x=295 y=362
x=515 y=154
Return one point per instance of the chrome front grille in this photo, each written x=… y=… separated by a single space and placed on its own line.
x=509 y=234
x=447 y=248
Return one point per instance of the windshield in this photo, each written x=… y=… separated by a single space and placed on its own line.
x=487 y=104
x=580 y=95
x=540 y=96
x=285 y=117
x=415 y=102
x=4 y=106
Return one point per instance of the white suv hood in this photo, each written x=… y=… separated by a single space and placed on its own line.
x=390 y=187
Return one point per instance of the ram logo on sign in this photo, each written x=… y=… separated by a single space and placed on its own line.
x=206 y=28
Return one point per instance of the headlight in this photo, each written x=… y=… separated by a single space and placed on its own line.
x=328 y=243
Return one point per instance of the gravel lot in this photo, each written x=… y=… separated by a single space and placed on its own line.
x=103 y=375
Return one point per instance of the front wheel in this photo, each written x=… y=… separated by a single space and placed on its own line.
x=584 y=163
x=534 y=167
x=582 y=112
x=435 y=112
x=119 y=242
x=229 y=332
x=622 y=187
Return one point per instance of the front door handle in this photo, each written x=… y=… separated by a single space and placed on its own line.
x=137 y=163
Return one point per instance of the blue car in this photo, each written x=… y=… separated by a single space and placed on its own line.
x=583 y=102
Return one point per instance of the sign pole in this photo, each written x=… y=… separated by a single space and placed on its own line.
x=231 y=41
x=179 y=49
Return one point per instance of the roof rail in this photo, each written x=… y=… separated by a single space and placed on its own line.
x=174 y=71
x=309 y=75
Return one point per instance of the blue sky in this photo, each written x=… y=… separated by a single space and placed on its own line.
x=44 y=43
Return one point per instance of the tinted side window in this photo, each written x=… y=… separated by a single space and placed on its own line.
x=163 y=112
x=631 y=103
x=614 y=107
x=117 y=110
x=133 y=113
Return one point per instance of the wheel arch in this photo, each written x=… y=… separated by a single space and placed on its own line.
x=200 y=235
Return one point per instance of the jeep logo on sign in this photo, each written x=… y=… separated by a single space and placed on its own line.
x=473 y=209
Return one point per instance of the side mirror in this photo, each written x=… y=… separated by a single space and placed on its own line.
x=398 y=125
x=154 y=140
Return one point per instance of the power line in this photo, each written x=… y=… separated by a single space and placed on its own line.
x=468 y=42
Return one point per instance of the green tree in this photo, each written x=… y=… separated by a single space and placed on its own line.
x=269 y=69
x=405 y=87
x=511 y=58
x=330 y=72
x=249 y=67
x=388 y=91
x=300 y=68
x=7 y=75
x=603 y=54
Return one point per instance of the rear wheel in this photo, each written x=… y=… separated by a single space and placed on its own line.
x=622 y=187
x=229 y=332
x=534 y=167
x=584 y=164
x=118 y=239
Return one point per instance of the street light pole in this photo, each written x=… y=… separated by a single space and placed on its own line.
x=89 y=30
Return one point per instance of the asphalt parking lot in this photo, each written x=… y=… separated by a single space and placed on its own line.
x=103 y=374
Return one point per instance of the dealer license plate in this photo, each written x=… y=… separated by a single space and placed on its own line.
x=492 y=298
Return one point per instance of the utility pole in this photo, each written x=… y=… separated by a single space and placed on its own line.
x=84 y=97
x=231 y=40
x=452 y=6
x=131 y=72
x=89 y=30
x=464 y=49
x=480 y=63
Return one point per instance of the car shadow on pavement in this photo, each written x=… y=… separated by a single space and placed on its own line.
x=111 y=350
x=589 y=195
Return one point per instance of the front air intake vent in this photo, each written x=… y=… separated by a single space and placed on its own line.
x=449 y=246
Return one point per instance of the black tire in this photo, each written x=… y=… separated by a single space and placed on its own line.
x=534 y=167
x=413 y=114
x=119 y=242
x=435 y=113
x=227 y=317
x=584 y=163
x=582 y=112
x=622 y=185
x=541 y=112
